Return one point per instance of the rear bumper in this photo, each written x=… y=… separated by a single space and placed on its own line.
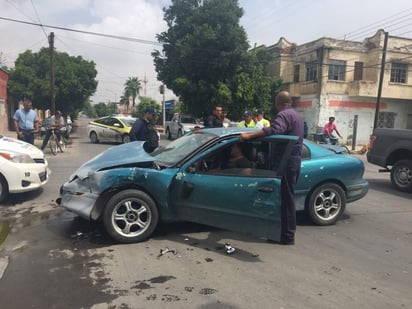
x=356 y=192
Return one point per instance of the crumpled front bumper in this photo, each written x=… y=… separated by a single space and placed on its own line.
x=76 y=199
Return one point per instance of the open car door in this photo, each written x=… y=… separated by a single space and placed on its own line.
x=245 y=200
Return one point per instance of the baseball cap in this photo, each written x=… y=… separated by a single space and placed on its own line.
x=247 y=114
x=259 y=111
x=151 y=110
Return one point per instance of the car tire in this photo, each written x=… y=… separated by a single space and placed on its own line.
x=401 y=175
x=93 y=138
x=130 y=216
x=326 y=204
x=126 y=138
x=4 y=188
x=169 y=136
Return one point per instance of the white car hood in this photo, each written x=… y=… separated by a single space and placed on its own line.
x=11 y=144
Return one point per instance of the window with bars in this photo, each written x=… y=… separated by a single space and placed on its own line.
x=399 y=72
x=296 y=70
x=311 y=71
x=337 y=70
x=386 y=120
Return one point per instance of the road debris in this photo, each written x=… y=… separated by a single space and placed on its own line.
x=166 y=250
x=229 y=249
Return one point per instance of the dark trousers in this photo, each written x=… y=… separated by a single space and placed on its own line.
x=28 y=136
x=47 y=137
x=287 y=191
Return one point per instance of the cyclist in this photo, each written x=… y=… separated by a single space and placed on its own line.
x=55 y=122
x=328 y=136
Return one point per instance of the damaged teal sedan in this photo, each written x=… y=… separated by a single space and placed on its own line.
x=132 y=191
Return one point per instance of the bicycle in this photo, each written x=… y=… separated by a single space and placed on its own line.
x=55 y=144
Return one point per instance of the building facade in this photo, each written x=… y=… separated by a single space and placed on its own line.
x=340 y=78
x=4 y=121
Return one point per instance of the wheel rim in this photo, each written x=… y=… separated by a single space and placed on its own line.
x=327 y=204
x=403 y=176
x=126 y=139
x=131 y=217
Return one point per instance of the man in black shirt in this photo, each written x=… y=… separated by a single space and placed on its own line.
x=215 y=120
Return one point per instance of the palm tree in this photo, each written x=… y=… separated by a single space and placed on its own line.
x=132 y=88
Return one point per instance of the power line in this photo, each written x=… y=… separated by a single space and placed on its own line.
x=85 y=32
x=38 y=18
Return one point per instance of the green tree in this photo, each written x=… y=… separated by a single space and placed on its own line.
x=146 y=102
x=132 y=89
x=101 y=109
x=205 y=58
x=89 y=110
x=75 y=80
x=202 y=50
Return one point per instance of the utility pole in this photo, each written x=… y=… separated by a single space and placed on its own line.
x=145 y=81
x=378 y=98
x=52 y=95
x=162 y=92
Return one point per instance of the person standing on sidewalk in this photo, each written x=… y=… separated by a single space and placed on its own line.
x=26 y=122
x=288 y=121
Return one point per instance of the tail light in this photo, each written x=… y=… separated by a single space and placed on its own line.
x=372 y=140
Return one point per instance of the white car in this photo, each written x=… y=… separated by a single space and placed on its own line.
x=23 y=167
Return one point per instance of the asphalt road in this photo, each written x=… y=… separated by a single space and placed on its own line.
x=50 y=258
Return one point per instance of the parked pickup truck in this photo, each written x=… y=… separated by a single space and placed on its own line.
x=179 y=125
x=392 y=150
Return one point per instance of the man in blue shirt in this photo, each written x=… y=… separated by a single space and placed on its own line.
x=26 y=122
x=288 y=121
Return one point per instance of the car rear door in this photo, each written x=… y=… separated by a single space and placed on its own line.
x=243 y=200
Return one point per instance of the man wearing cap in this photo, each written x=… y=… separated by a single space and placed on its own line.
x=261 y=122
x=54 y=122
x=247 y=121
x=26 y=122
x=144 y=129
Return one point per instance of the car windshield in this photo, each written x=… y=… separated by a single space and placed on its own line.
x=181 y=147
x=129 y=121
x=187 y=119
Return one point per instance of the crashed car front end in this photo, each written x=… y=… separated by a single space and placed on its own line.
x=81 y=195
x=109 y=170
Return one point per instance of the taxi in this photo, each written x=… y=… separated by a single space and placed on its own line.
x=23 y=167
x=110 y=129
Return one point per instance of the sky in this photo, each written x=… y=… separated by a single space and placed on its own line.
x=265 y=22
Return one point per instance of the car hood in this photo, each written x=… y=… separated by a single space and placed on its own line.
x=121 y=155
x=12 y=144
x=336 y=149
